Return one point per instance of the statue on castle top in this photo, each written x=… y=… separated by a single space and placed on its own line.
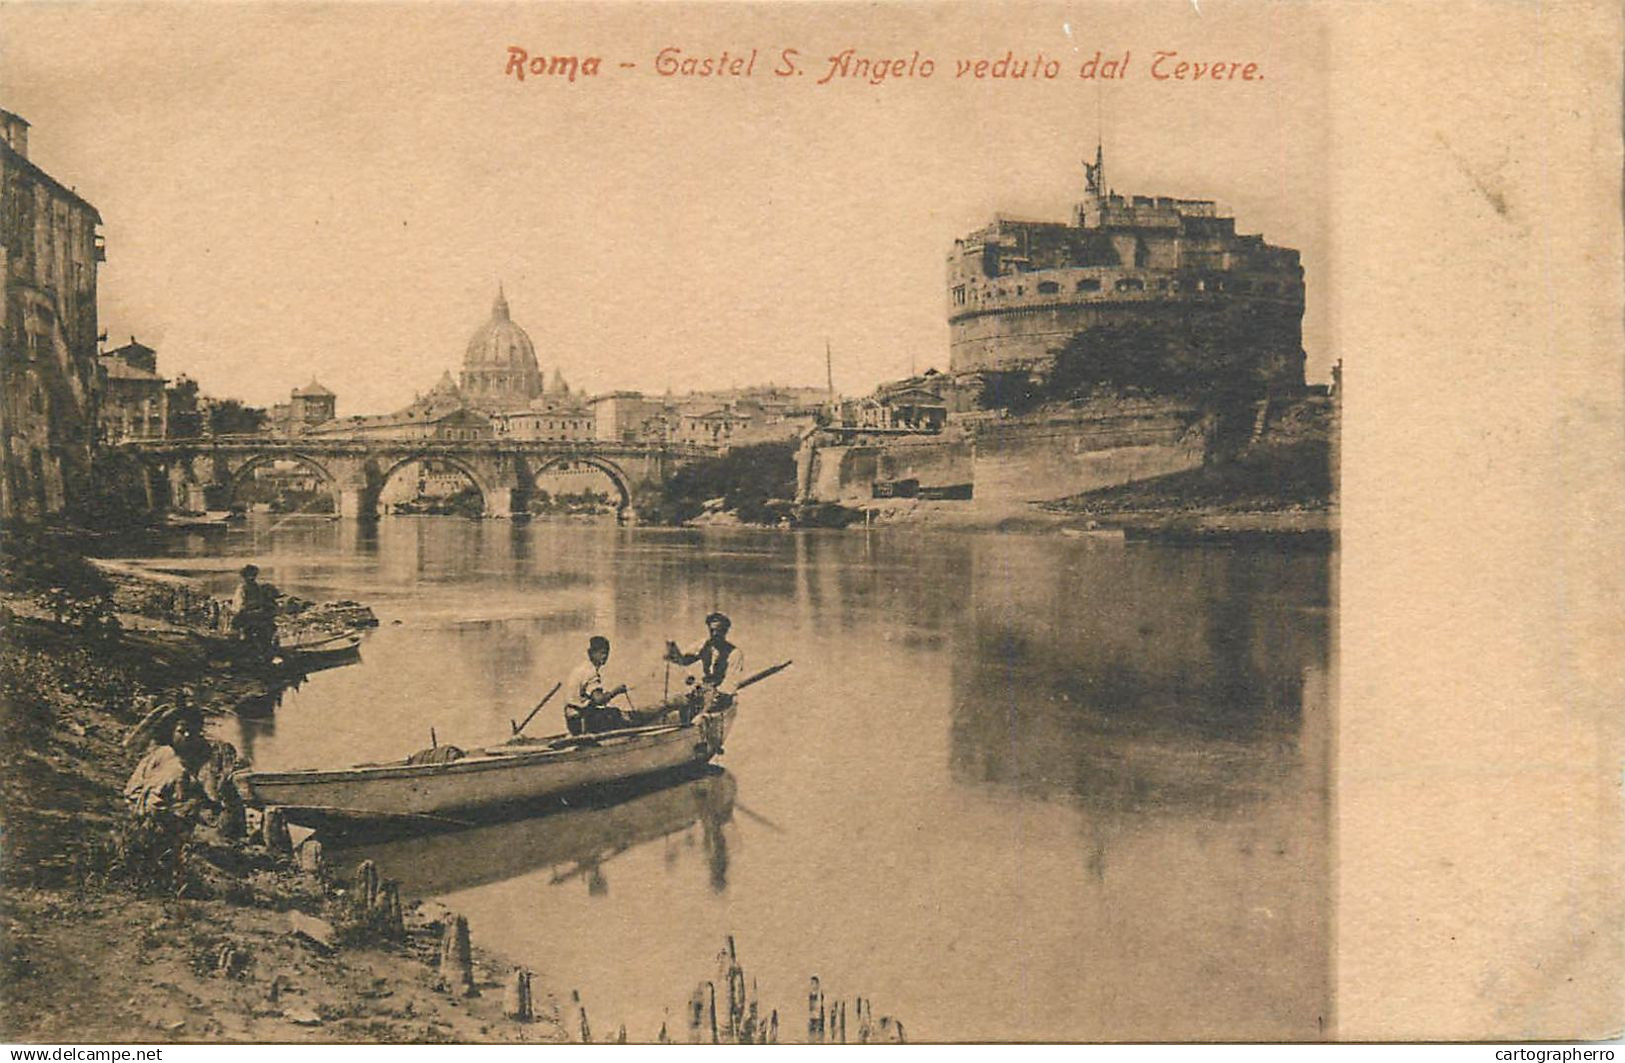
x=1094 y=176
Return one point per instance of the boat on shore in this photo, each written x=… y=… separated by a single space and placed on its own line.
x=448 y=782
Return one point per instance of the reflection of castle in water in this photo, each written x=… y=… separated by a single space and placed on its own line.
x=1135 y=687
x=572 y=841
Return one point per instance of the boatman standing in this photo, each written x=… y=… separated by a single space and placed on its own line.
x=721 y=665
x=253 y=613
x=589 y=710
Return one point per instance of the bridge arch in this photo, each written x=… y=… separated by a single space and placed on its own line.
x=240 y=475
x=397 y=462
x=616 y=474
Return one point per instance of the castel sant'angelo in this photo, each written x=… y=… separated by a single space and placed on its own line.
x=1019 y=290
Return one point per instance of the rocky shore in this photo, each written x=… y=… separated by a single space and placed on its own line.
x=238 y=942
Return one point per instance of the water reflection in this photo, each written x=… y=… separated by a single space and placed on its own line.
x=1135 y=687
x=565 y=842
x=1013 y=787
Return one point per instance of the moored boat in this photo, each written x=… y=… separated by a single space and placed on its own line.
x=212 y=520
x=517 y=771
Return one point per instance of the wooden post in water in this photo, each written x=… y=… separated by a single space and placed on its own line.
x=456 y=958
x=842 y=1023
x=736 y=992
x=773 y=1028
x=696 y=1014
x=815 y=1013
x=577 y=1026
x=711 y=1011
x=274 y=831
x=866 y=1017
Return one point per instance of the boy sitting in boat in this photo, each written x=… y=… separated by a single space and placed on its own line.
x=589 y=710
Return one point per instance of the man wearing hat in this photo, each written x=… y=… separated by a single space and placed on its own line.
x=721 y=664
x=253 y=615
x=589 y=710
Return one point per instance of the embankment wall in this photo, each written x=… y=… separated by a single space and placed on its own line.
x=1020 y=458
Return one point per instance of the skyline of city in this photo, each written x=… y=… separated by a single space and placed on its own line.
x=649 y=233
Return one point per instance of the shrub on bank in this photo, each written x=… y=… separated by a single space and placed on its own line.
x=747 y=479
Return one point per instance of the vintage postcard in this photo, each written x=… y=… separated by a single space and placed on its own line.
x=810 y=523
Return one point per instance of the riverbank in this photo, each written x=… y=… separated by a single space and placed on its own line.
x=221 y=950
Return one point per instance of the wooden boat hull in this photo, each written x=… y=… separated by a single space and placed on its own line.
x=503 y=775
x=567 y=837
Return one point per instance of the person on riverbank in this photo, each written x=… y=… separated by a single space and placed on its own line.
x=589 y=710
x=184 y=781
x=253 y=613
x=721 y=665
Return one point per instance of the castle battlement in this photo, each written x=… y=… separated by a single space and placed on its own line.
x=1019 y=289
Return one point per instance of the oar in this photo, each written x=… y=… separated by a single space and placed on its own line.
x=763 y=674
x=517 y=727
x=758 y=817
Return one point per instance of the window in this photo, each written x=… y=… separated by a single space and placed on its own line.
x=1048 y=288
x=1130 y=284
x=959 y=295
x=1089 y=284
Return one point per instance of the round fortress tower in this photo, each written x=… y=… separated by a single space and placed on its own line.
x=1019 y=290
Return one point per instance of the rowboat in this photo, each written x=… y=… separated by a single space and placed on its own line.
x=519 y=770
x=317 y=647
x=213 y=520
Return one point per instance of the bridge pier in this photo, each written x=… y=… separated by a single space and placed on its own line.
x=498 y=502
x=351 y=503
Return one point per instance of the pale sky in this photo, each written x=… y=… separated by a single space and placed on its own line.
x=336 y=192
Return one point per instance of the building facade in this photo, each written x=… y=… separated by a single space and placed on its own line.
x=134 y=398
x=1018 y=291
x=306 y=408
x=550 y=417
x=49 y=380
x=441 y=413
x=628 y=416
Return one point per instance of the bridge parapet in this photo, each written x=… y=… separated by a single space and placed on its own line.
x=356 y=468
x=349 y=445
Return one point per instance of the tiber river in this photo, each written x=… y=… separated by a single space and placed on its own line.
x=1013 y=787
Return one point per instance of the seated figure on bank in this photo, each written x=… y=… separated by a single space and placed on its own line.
x=184 y=781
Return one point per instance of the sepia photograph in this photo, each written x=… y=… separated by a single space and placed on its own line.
x=671 y=523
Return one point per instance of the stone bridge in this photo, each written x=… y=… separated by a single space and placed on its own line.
x=200 y=474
